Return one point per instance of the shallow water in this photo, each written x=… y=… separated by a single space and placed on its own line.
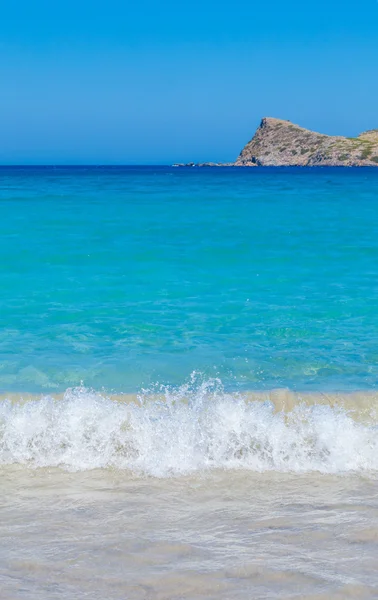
x=188 y=383
x=108 y=534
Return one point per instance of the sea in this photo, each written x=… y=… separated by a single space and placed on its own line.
x=188 y=383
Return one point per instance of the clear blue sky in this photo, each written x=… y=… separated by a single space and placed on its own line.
x=155 y=82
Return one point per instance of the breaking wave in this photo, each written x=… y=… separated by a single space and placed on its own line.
x=195 y=428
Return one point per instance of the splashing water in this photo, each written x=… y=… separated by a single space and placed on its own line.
x=193 y=428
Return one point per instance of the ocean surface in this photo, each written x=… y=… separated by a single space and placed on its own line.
x=188 y=383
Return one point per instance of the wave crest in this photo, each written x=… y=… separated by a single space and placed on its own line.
x=184 y=431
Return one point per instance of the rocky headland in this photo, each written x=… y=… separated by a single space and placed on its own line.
x=279 y=143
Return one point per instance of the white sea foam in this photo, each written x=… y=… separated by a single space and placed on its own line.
x=192 y=429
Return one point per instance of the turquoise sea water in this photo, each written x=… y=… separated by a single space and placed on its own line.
x=188 y=286
x=122 y=278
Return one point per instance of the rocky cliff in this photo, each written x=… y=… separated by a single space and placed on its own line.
x=281 y=143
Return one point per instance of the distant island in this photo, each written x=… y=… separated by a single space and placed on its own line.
x=279 y=143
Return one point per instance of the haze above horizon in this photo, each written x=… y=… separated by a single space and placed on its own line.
x=153 y=83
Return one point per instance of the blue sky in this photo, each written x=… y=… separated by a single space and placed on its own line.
x=150 y=82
